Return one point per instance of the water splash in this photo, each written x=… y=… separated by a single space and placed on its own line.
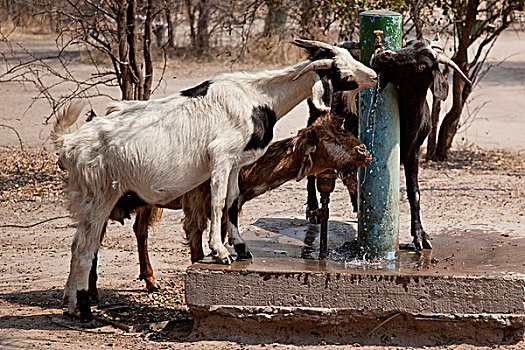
x=372 y=110
x=355 y=256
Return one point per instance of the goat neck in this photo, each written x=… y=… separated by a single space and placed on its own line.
x=282 y=91
x=277 y=166
x=412 y=95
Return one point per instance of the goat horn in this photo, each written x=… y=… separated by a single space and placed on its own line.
x=349 y=45
x=441 y=58
x=315 y=44
x=315 y=65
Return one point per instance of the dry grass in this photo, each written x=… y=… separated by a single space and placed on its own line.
x=133 y=307
x=479 y=160
x=29 y=176
x=33 y=28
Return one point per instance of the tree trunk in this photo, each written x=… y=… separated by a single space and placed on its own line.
x=307 y=23
x=434 y=123
x=148 y=61
x=414 y=13
x=450 y=123
x=202 y=28
x=191 y=18
x=136 y=71
x=124 y=75
x=171 y=29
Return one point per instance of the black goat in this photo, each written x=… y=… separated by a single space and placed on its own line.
x=413 y=69
x=343 y=106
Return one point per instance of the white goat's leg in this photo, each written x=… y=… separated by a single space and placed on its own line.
x=232 y=201
x=219 y=187
x=70 y=291
x=85 y=245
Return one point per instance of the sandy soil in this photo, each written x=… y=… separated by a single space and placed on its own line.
x=476 y=190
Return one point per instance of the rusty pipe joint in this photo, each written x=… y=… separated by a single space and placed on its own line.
x=379 y=42
x=378 y=45
x=325 y=185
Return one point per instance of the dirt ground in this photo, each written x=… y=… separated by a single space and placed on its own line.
x=482 y=187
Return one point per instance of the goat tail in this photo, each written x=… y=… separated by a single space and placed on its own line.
x=65 y=119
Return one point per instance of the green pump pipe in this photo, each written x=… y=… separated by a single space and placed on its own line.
x=378 y=190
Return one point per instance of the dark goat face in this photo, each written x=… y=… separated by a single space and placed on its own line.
x=416 y=61
x=416 y=64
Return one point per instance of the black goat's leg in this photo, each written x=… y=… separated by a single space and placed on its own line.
x=93 y=275
x=243 y=253
x=312 y=204
x=353 y=200
x=420 y=237
x=233 y=208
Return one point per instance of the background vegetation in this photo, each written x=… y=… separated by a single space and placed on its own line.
x=129 y=42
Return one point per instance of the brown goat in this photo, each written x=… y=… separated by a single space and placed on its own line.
x=317 y=148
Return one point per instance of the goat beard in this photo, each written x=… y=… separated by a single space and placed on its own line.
x=348 y=175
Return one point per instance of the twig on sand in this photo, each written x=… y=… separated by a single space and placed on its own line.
x=80 y=329
x=17 y=134
x=36 y=223
x=382 y=323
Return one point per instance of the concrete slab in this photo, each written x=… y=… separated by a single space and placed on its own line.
x=470 y=288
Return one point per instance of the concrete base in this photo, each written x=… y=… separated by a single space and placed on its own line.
x=470 y=288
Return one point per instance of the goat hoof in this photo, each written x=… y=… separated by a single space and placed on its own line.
x=90 y=324
x=427 y=244
x=153 y=288
x=242 y=252
x=422 y=244
x=228 y=260
x=314 y=220
x=311 y=215
x=94 y=300
x=151 y=284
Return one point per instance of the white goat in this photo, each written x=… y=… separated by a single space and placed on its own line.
x=158 y=150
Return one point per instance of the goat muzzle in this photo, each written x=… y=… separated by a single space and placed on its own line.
x=382 y=57
x=363 y=154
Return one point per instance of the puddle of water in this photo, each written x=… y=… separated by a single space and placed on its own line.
x=292 y=245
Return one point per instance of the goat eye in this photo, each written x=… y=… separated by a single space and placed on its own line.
x=421 y=67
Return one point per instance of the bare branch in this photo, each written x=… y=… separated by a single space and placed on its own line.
x=17 y=135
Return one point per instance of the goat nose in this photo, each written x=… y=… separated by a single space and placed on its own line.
x=361 y=150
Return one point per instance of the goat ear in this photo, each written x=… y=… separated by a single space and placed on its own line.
x=307 y=147
x=439 y=85
x=322 y=92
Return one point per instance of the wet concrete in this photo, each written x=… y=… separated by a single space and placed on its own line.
x=473 y=279
x=292 y=245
